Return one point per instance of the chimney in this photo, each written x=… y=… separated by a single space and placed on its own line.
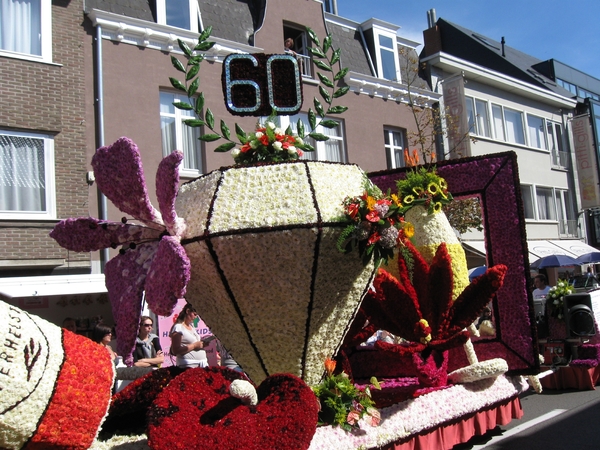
x=503 y=42
x=431 y=19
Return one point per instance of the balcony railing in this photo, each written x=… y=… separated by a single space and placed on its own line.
x=305 y=65
x=568 y=228
x=560 y=159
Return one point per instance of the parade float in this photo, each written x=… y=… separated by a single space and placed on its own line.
x=271 y=252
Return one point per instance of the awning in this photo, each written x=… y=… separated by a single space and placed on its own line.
x=575 y=247
x=540 y=248
x=23 y=287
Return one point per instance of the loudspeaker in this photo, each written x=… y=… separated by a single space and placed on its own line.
x=579 y=315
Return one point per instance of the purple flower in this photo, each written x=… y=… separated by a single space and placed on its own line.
x=151 y=258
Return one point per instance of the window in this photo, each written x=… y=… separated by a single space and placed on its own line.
x=26 y=176
x=332 y=150
x=514 y=126
x=527 y=194
x=395 y=143
x=568 y=86
x=477 y=112
x=26 y=29
x=535 y=128
x=498 y=122
x=299 y=48
x=178 y=13
x=560 y=157
x=546 y=205
x=178 y=136
x=387 y=62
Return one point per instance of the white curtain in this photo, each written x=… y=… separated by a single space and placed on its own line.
x=21 y=26
x=22 y=174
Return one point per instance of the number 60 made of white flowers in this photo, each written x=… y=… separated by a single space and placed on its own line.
x=260 y=85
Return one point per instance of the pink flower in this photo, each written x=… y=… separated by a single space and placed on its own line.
x=372 y=216
x=373 y=417
x=353 y=417
x=151 y=258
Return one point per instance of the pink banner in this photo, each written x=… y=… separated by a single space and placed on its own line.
x=164 y=327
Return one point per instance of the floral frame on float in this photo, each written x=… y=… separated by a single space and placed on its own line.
x=495 y=180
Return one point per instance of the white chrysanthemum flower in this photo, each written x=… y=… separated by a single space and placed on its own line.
x=291 y=150
x=253 y=144
x=271 y=125
x=277 y=146
x=561 y=284
x=259 y=134
x=278 y=132
x=235 y=152
x=299 y=141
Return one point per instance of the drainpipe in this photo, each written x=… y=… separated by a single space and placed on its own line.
x=102 y=206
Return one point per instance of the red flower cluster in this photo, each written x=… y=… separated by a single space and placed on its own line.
x=128 y=408
x=80 y=398
x=197 y=409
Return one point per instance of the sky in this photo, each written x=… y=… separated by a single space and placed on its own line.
x=564 y=30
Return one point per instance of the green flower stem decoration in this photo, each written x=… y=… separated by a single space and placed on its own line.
x=324 y=57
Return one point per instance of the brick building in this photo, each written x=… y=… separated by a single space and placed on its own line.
x=103 y=72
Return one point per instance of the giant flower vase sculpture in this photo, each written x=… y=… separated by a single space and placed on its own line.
x=151 y=259
x=266 y=275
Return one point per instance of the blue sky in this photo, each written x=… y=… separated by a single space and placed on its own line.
x=564 y=30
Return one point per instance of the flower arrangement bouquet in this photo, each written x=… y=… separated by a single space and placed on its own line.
x=269 y=143
x=377 y=225
x=342 y=403
x=424 y=187
x=556 y=296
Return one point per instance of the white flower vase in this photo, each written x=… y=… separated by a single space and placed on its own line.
x=267 y=277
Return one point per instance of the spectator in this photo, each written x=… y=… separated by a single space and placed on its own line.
x=102 y=334
x=148 y=352
x=288 y=45
x=541 y=286
x=185 y=340
x=70 y=324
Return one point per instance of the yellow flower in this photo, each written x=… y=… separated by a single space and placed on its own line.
x=437 y=207
x=409 y=199
x=396 y=200
x=443 y=184
x=371 y=203
x=433 y=188
x=409 y=229
x=418 y=190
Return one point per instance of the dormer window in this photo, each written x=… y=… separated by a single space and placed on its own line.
x=383 y=45
x=178 y=13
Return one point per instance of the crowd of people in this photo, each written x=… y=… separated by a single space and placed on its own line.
x=187 y=346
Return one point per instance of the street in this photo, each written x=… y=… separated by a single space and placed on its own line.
x=553 y=420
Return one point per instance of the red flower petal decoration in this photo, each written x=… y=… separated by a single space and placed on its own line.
x=80 y=399
x=125 y=277
x=120 y=176
x=168 y=276
x=198 y=409
x=167 y=185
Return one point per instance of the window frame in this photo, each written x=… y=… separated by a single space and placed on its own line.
x=46 y=34
x=377 y=32
x=392 y=150
x=320 y=150
x=476 y=119
x=50 y=184
x=532 y=140
x=194 y=11
x=179 y=116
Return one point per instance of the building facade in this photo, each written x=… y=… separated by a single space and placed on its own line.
x=106 y=75
x=505 y=102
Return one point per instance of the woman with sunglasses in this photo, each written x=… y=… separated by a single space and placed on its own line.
x=148 y=352
x=185 y=340
x=102 y=334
